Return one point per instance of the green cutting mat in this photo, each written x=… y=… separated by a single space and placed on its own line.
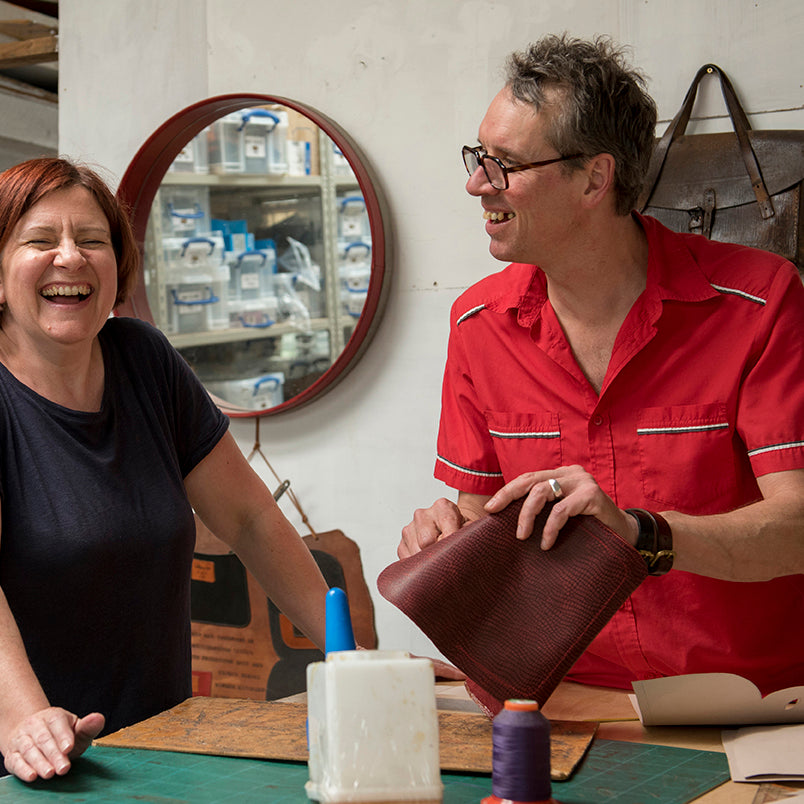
x=611 y=773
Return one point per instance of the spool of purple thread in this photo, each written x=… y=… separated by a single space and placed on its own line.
x=520 y=764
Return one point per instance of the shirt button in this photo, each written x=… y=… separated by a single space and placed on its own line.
x=598 y=420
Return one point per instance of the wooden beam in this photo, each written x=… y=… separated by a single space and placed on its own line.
x=26 y=29
x=12 y=88
x=29 y=51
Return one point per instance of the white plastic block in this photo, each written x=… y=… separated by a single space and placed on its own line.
x=372 y=728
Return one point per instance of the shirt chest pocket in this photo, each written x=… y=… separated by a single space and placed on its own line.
x=686 y=455
x=525 y=442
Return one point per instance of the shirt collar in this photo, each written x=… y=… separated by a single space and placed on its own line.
x=672 y=270
x=673 y=274
x=524 y=290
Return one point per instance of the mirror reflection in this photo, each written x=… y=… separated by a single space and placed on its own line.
x=258 y=255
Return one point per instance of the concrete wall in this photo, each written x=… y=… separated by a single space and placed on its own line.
x=411 y=82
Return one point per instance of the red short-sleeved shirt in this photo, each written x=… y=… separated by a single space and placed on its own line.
x=704 y=393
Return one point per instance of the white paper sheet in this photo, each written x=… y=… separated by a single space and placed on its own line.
x=765 y=753
x=713 y=699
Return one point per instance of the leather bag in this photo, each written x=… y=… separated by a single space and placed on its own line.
x=513 y=617
x=742 y=187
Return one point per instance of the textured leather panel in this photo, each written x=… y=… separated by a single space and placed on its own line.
x=511 y=616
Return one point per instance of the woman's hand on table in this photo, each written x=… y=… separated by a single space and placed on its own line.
x=43 y=744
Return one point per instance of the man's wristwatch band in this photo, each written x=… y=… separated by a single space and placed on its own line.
x=655 y=540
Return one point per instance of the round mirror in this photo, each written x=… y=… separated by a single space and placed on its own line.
x=264 y=248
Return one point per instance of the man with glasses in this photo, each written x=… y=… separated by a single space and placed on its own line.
x=620 y=370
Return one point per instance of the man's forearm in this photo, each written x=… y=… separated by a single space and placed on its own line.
x=759 y=542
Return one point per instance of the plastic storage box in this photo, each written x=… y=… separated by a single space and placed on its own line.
x=249 y=141
x=185 y=211
x=196 y=282
x=340 y=164
x=190 y=296
x=251 y=393
x=355 y=274
x=252 y=275
x=353 y=219
x=194 y=157
x=193 y=252
x=256 y=314
x=278 y=145
x=225 y=144
x=256 y=128
x=265 y=134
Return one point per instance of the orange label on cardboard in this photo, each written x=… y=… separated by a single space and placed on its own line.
x=291 y=637
x=203 y=571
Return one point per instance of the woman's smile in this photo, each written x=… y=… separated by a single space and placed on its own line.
x=66 y=294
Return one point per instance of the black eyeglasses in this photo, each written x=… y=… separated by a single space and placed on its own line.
x=496 y=172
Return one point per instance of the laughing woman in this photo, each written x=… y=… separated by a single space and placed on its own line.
x=108 y=443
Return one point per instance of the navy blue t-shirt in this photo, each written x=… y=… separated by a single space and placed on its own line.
x=97 y=532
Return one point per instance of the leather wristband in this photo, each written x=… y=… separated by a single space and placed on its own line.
x=655 y=540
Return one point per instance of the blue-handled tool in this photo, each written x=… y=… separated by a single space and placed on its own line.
x=339 y=635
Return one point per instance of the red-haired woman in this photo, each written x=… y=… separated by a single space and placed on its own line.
x=108 y=443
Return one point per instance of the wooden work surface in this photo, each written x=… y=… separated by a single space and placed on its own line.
x=276 y=730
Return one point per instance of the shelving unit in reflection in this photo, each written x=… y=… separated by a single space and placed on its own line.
x=258 y=255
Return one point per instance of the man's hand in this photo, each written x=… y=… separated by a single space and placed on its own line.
x=579 y=494
x=429 y=525
x=441 y=519
x=43 y=744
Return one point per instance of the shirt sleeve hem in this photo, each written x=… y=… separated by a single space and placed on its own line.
x=777 y=458
x=204 y=449
x=468 y=480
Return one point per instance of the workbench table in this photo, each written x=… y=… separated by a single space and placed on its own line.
x=625 y=764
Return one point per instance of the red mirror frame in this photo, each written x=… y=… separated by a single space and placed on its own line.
x=143 y=177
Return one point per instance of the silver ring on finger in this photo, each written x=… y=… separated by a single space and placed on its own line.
x=558 y=492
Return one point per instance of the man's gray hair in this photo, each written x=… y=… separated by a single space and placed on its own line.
x=595 y=101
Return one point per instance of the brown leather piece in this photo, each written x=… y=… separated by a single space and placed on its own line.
x=276 y=730
x=513 y=617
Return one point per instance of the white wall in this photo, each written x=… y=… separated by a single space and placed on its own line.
x=411 y=82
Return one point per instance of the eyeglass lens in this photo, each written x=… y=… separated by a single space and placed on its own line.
x=494 y=173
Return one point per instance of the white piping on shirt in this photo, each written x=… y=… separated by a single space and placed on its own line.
x=741 y=293
x=688 y=428
x=532 y=434
x=470 y=313
x=468 y=471
x=775 y=448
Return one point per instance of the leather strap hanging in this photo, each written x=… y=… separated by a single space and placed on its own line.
x=742 y=187
x=284 y=485
x=678 y=127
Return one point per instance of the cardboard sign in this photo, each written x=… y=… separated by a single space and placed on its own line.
x=243 y=646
